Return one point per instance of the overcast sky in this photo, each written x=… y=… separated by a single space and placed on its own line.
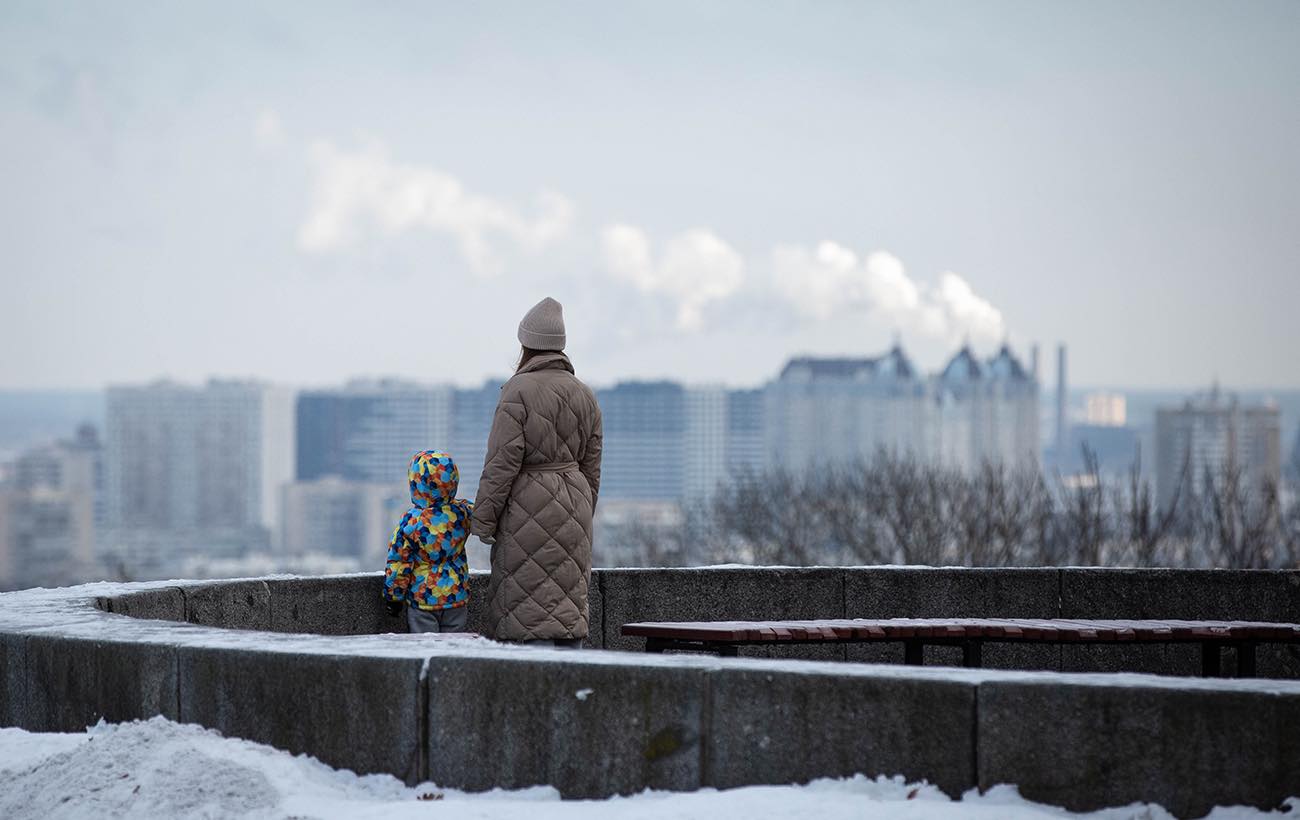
x=310 y=192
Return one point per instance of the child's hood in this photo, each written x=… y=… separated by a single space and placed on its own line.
x=434 y=479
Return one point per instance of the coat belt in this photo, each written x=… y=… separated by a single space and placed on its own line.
x=551 y=467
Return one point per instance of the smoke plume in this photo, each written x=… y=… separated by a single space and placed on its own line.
x=355 y=194
x=831 y=279
x=695 y=269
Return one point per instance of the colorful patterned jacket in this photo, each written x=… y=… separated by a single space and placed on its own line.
x=427 y=567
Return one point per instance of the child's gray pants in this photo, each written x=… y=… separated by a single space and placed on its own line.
x=437 y=620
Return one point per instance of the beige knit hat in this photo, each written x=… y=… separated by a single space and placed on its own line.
x=542 y=327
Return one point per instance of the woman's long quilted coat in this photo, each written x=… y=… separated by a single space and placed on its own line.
x=535 y=502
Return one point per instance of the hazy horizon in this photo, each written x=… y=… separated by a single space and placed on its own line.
x=307 y=193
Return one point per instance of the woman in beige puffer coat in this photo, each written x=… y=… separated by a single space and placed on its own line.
x=538 y=491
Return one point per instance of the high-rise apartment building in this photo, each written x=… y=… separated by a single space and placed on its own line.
x=822 y=411
x=368 y=430
x=704 y=441
x=1011 y=437
x=746 y=449
x=959 y=413
x=195 y=467
x=1212 y=433
x=645 y=427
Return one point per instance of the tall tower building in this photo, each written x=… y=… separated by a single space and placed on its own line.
x=369 y=430
x=1195 y=443
x=704 y=441
x=645 y=427
x=196 y=465
x=746 y=452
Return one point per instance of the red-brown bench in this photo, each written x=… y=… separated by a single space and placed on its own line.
x=725 y=637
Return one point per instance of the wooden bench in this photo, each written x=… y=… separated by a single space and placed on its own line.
x=725 y=637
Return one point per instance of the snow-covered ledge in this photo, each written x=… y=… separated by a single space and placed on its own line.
x=467 y=713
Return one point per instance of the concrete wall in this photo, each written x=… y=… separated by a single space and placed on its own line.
x=349 y=605
x=1085 y=744
x=600 y=723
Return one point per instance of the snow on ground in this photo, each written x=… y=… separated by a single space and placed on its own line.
x=161 y=769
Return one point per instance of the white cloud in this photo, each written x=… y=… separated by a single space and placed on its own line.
x=362 y=193
x=832 y=279
x=696 y=268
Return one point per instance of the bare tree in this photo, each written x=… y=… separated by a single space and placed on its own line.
x=916 y=510
x=1145 y=526
x=774 y=514
x=1239 y=520
x=895 y=508
x=1083 y=525
x=847 y=503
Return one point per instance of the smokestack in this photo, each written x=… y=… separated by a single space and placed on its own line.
x=1033 y=361
x=1060 y=405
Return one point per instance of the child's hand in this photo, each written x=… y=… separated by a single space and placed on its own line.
x=394 y=608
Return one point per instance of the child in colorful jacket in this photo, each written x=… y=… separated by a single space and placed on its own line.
x=427 y=568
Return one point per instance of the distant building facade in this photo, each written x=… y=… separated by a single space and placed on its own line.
x=1211 y=433
x=1104 y=409
x=1012 y=393
x=472 y=413
x=343 y=519
x=368 y=430
x=746 y=449
x=822 y=412
x=704 y=440
x=644 y=449
x=1115 y=448
x=194 y=468
x=48 y=508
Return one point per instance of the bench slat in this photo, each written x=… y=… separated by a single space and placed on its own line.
x=1068 y=630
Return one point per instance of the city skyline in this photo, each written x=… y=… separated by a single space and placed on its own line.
x=259 y=191
x=232 y=472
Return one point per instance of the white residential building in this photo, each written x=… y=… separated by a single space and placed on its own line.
x=1212 y=433
x=1105 y=409
x=195 y=468
x=827 y=411
x=822 y=411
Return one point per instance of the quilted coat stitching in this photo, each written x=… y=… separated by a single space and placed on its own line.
x=541 y=521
